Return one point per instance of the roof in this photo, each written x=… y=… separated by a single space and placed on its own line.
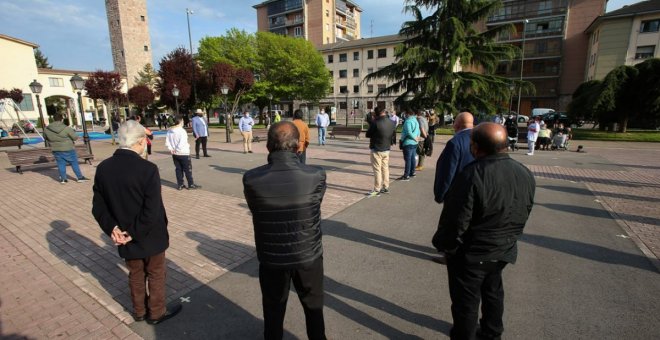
x=640 y=8
x=6 y=37
x=382 y=40
x=62 y=71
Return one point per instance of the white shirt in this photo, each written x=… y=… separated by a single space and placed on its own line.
x=177 y=141
x=533 y=131
x=322 y=120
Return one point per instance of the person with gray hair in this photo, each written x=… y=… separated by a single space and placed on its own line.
x=130 y=210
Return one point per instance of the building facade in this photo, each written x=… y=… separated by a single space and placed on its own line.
x=551 y=33
x=318 y=21
x=129 y=36
x=626 y=36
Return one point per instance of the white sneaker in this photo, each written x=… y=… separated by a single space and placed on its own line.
x=530 y=154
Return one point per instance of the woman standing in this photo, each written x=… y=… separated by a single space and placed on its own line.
x=177 y=142
x=409 y=139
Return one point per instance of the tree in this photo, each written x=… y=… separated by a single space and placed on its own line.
x=107 y=87
x=425 y=71
x=15 y=94
x=141 y=96
x=237 y=48
x=147 y=76
x=41 y=59
x=615 y=101
x=646 y=89
x=176 y=69
x=581 y=106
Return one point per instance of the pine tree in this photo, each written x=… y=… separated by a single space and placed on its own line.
x=147 y=76
x=41 y=59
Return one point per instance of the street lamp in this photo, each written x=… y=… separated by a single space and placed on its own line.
x=192 y=57
x=78 y=84
x=522 y=64
x=225 y=89
x=36 y=88
x=511 y=89
x=347 y=92
x=175 y=93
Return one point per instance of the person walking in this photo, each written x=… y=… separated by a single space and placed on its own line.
x=245 y=125
x=424 y=134
x=485 y=211
x=380 y=139
x=176 y=141
x=408 y=141
x=285 y=198
x=532 y=134
x=322 y=122
x=129 y=209
x=200 y=132
x=60 y=138
x=303 y=130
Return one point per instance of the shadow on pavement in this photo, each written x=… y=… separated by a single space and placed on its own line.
x=12 y=336
x=585 y=211
x=596 y=180
x=587 y=192
x=228 y=169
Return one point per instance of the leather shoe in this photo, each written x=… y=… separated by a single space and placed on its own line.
x=207 y=156
x=139 y=318
x=170 y=313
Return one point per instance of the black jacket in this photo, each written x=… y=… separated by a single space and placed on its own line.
x=380 y=133
x=285 y=197
x=486 y=209
x=127 y=194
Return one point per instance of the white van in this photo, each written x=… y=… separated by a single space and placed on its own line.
x=541 y=112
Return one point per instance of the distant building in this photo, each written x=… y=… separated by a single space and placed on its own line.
x=555 y=46
x=318 y=21
x=129 y=36
x=626 y=36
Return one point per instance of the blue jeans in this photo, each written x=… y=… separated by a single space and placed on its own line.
x=64 y=157
x=409 y=152
x=322 y=135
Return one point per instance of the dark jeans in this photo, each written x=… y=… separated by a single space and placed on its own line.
x=409 y=152
x=275 y=285
x=302 y=156
x=150 y=272
x=198 y=141
x=64 y=157
x=183 y=165
x=468 y=285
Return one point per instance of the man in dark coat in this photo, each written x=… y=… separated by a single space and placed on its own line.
x=285 y=197
x=484 y=214
x=380 y=134
x=129 y=208
x=454 y=157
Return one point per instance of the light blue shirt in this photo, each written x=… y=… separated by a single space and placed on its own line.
x=245 y=124
x=322 y=120
x=410 y=131
x=199 y=127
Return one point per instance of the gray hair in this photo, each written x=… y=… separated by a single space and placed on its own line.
x=130 y=133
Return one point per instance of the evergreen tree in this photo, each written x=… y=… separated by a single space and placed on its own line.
x=41 y=59
x=147 y=76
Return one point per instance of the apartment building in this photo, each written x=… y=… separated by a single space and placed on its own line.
x=319 y=21
x=551 y=33
x=626 y=36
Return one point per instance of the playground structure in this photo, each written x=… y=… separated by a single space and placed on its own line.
x=11 y=118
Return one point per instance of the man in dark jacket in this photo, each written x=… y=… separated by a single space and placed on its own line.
x=60 y=138
x=285 y=197
x=454 y=157
x=380 y=134
x=129 y=209
x=485 y=212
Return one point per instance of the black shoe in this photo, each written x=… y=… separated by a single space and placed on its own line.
x=250 y=151
x=439 y=259
x=168 y=315
x=194 y=186
x=384 y=191
x=82 y=179
x=207 y=156
x=64 y=181
x=139 y=318
x=197 y=157
x=181 y=187
x=413 y=175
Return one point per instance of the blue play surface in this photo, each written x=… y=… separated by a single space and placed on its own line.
x=92 y=136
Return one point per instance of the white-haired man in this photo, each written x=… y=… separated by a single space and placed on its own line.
x=129 y=209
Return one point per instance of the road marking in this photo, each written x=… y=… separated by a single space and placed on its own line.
x=622 y=236
x=185 y=299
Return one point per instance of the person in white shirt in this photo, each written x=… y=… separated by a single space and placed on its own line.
x=245 y=125
x=177 y=142
x=200 y=132
x=532 y=134
x=322 y=122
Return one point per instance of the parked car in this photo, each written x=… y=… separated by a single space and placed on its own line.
x=541 y=112
x=561 y=117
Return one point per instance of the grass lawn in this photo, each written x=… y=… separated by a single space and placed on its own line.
x=633 y=136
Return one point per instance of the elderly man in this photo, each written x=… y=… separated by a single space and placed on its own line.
x=484 y=214
x=455 y=156
x=200 y=132
x=129 y=208
x=285 y=197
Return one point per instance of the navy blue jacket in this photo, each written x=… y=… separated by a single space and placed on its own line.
x=455 y=156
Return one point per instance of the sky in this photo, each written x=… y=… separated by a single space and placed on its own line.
x=73 y=34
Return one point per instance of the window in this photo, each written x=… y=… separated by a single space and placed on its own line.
x=381 y=87
x=644 y=52
x=650 y=26
x=541 y=46
x=356 y=72
x=56 y=82
x=142 y=18
x=331 y=58
x=327 y=27
x=343 y=73
x=370 y=105
x=146 y=48
x=545 y=7
x=537 y=66
x=501 y=68
x=370 y=54
x=343 y=89
x=370 y=89
x=342 y=57
x=356 y=88
x=327 y=13
x=356 y=55
x=297 y=31
x=382 y=53
x=26 y=104
x=370 y=70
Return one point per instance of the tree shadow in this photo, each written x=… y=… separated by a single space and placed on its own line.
x=586 y=192
x=585 y=211
x=589 y=251
x=228 y=169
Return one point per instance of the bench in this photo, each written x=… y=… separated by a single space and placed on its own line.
x=11 y=142
x=345 y=131
x=259 y=134
x=43 y=156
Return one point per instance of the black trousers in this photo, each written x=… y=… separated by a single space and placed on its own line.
x=183 y=165
x=302 y=156
x=202 y=141
x=275 y=284
x=468 y=285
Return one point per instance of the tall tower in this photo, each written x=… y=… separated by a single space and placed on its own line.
x=129 y=36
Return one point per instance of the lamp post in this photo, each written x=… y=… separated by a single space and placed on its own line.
x=36 y=88
x=522 y=64
x=347 y=92
x=78 y=84
x=225 y=89
x=175 y=93
x=192 y=57
x=511 y=89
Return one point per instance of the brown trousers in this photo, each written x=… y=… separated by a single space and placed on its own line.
x=148 y=272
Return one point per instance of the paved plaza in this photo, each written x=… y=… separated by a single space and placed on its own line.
x=588 y=262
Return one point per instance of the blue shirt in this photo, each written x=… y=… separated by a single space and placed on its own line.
x=322 y=120
x=199 y=127
x=245 y=124
x=410 y=131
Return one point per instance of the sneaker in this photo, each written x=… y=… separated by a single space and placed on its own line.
x=403 y=178
x=64 y=181
x=530 y=154
x=197 y=157
x=373 y=193
x=384 y=191
x=194 y=186
x=413 y=175
x=82 y=179
x=181 y=187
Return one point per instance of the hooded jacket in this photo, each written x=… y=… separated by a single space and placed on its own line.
x=60 y=137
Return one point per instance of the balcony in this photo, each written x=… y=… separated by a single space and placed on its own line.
x=528 y=9
x=284 y=6
x=287 y=22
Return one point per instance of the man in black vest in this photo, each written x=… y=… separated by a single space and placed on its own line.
x=129 y=208
x=485 y=211
x=285 y=197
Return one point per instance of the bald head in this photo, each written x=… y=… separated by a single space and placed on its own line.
x=283 y=136
x=463 y=121
x=488 y=139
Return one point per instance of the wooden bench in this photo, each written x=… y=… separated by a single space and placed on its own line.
x=11 y=142
x=259 y=134
x=345 y=131
x=43 y=156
